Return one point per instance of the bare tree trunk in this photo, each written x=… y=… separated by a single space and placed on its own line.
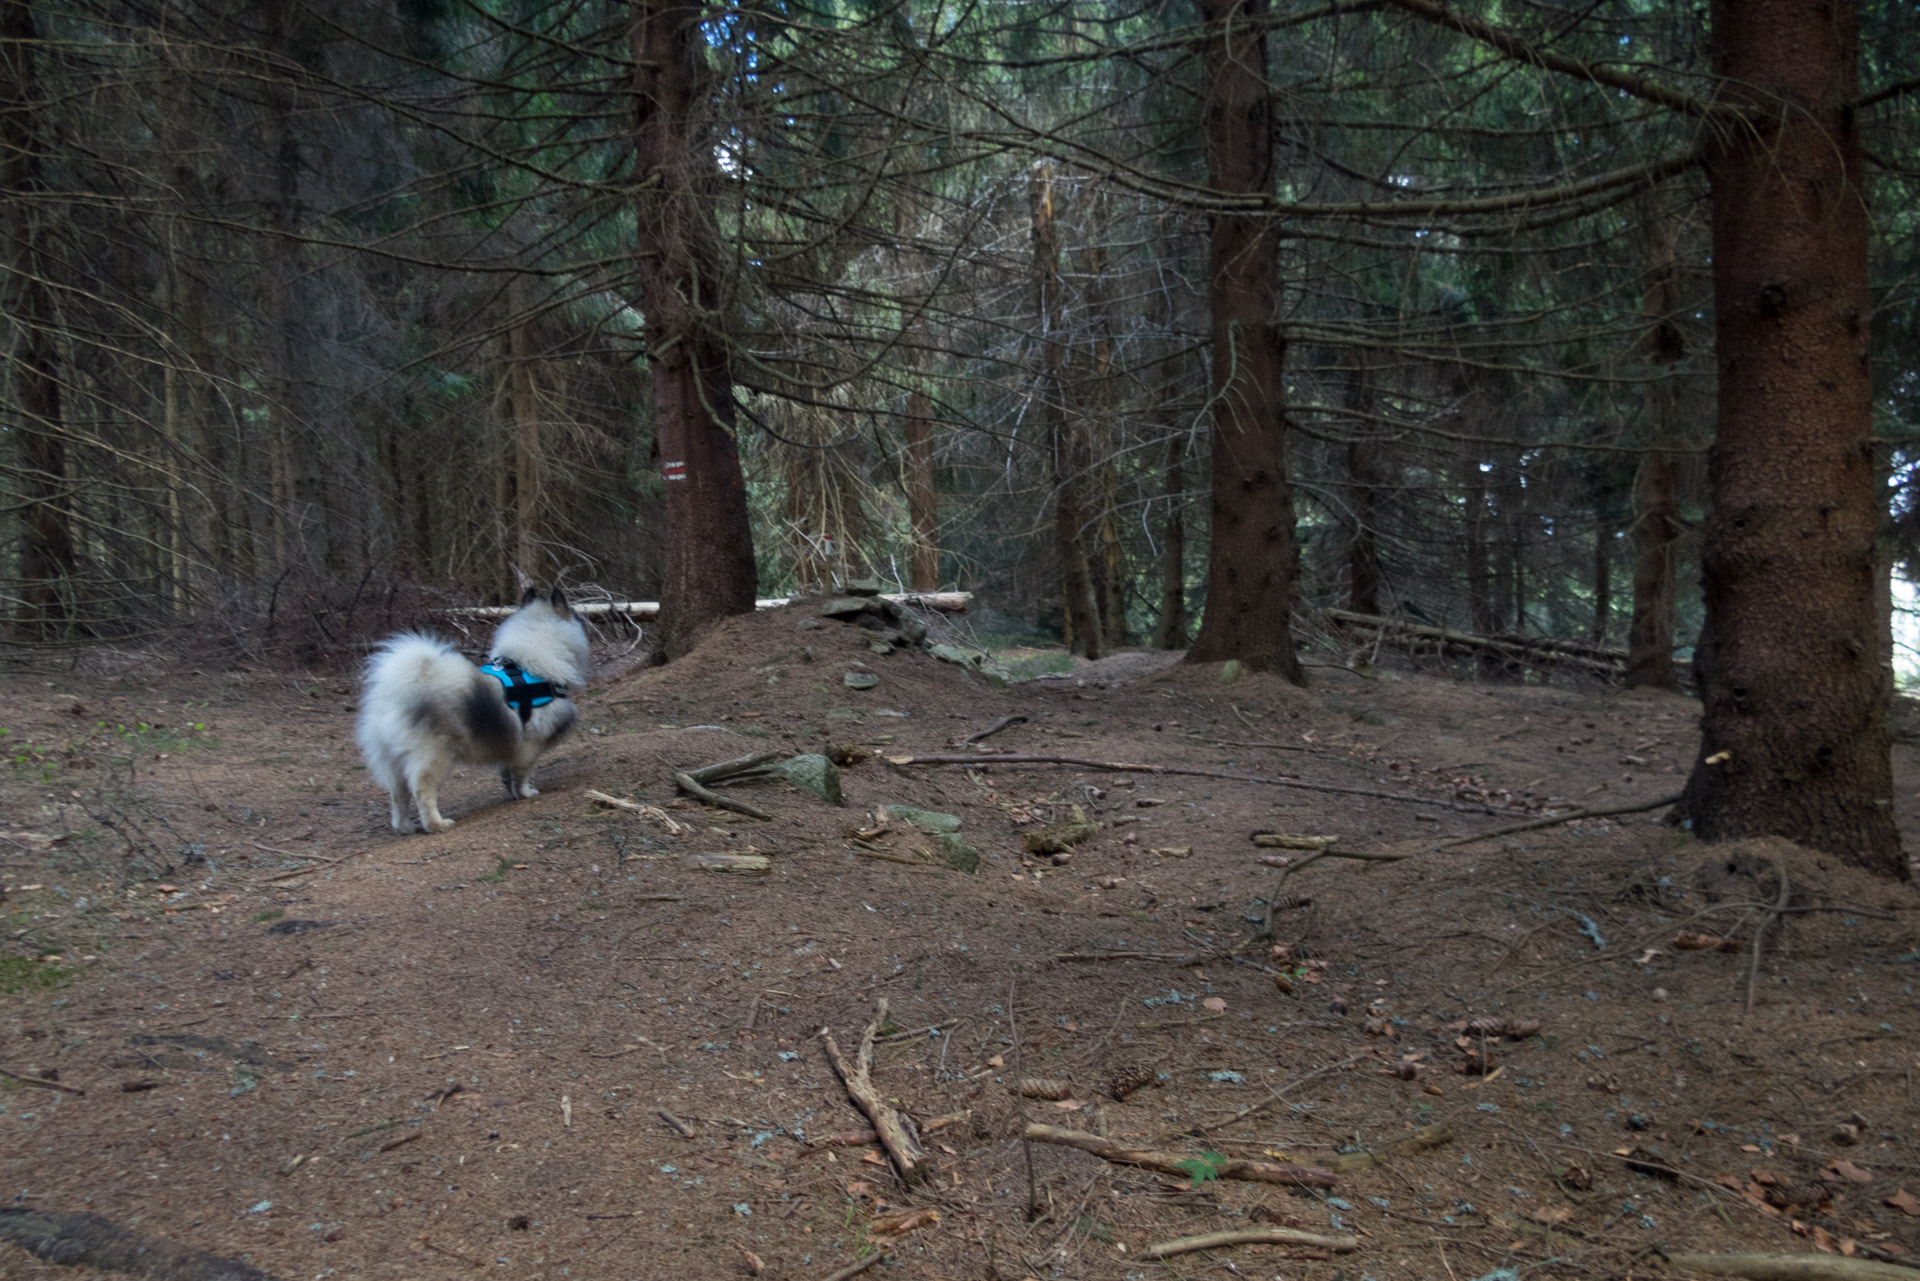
x=1080 y=614
x=923 y=501
x=1656 y=528
x=1794 y=739
x=1170 y=631
x=48 y=557
x=709 y=570
x=529 y=550
x=1656 y=498
x=1253 y=556
x=1602 y=580
x=1363 y=552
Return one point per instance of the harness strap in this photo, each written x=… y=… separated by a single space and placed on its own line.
x=524 y=691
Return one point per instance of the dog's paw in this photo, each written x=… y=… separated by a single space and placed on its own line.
x=440 y=826
x=528 y=791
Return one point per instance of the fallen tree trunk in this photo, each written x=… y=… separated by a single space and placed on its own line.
x=1298 y=1176
x=1538 y=651
x=944 y=602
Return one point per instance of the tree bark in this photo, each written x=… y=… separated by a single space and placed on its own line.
x=1081 y=616
x=1602 y=580
x=1794 y=738
x=1253 y=556
x=529 y=553
x=1656 y=528
x=923 y=500
x=709 y=567
x=1363 y=551
x=48 y=556
x=1170 y=630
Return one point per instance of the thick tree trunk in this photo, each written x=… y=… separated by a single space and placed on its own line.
x=1080 y=614
x=1794 y=740
x=708 y=572
x=48 y=556
x=1253 y=557
x=1656 y=528
x=923 y=500
x=1170 y=630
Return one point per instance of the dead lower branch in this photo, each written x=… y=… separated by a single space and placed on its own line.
x=1127 y=767
x=1299 y=1176
x=1638 y=807
x=909 y=1158
x=1249 y=1236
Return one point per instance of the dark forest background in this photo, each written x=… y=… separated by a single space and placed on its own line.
x=317 y=312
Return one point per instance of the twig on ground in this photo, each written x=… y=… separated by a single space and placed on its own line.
x=993 y=729
x=1791 y=1267
x=1576 y=815
x=1760 y=933
x=699 y=791
x=1250 y=1236
x=1273 y=1096
x=1126 y=767
x=1019 y=1073
x=855 y=1269
x=41 y=1082
x=908 y=1156
x=1301 y=1176
x=729 y=769
x=650 y=811
x=450 y=1252
x=302 y=871
x=1277 y=747
x=1121 y=956
x=321 y=858
x=680 y=1127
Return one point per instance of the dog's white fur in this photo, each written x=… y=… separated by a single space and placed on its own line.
x=424 y=707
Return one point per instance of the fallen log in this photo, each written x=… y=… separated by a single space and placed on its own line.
x=944 y=602
x=1792 y=1267
x=1124 y=767
x=1298 y=1176
x=1545 y=651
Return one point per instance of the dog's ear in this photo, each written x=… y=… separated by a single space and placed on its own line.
x=531 y=595
x=558 y=599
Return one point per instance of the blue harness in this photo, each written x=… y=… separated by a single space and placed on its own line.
x=524 y=690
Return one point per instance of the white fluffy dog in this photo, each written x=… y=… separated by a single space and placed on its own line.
x=423 y=707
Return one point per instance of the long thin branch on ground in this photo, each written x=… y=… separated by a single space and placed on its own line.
x=1760 y=933
x=1791 y=1267
x=1298 y=1176
x=1127 y=767
x=1250 y=1236
x=699 y=791
x=1637 y=807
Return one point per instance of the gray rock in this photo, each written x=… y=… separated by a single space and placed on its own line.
x=814 y=773
x=862 y=587
x=931 y=822
x=845 y=607
x=860 y=680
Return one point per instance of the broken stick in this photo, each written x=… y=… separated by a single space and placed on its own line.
x=1250 y=1236
x=1127 y=767
x=1572 y=817
x=1298 y=1176
x=699 y=791
x=909 y=1158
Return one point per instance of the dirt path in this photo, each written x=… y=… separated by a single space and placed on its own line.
x=447 y=1054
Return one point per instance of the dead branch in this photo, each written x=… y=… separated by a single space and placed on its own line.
x=1299 y=1176
x=855 y=1269
x=694 y=788
x=729 y=769
x=945 y=602
x=1576 y=815
x=1125 y=767
x=41 y=1082
x=680 y=1127
x=1533 y=651
x=993 y=729
x=1791 y=1267
x=1249 y=1236
x=649 y=811
x=908 y=1156
x=1760 y=933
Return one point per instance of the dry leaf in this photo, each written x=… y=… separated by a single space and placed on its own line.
x=1849 y=1171
x=1068 y=1105
x=1214 y=1003
x=1177 y=851
x=872 y=1157
x=1904 y=1202
x=1557 y=1214
x=903 y=1221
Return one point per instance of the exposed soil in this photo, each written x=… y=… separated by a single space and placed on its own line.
x=439 y=1055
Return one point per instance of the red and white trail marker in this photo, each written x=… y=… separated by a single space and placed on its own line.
x=674 y=471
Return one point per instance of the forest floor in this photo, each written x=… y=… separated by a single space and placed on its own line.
x=256 y=1024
